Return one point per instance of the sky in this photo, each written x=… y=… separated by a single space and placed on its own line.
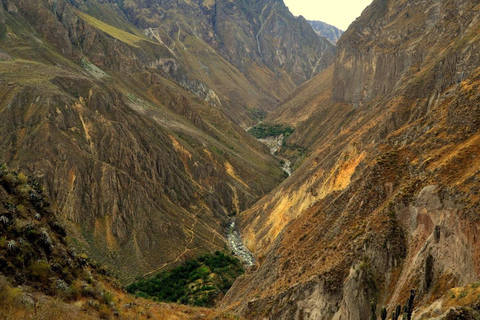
x=339 y=13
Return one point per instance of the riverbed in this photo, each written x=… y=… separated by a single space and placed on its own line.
x=236 y=244
x=274 y=144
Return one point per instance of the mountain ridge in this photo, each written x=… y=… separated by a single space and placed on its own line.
x=331 y=33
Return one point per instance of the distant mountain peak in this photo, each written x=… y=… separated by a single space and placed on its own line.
x=331 y=33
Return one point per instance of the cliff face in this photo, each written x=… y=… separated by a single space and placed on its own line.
x=136 y=151
x=327 y=31
x=265 y=32
x=273 y=50
x=387 y=199
x=392 y=44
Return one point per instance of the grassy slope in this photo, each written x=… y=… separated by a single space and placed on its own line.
x=119 y=34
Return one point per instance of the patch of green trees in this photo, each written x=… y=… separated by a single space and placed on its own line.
x=265 y=130
x=197 y=282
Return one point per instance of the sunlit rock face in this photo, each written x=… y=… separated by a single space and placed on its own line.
x=389 y=188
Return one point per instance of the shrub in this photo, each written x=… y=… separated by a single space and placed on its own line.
x=265 y=130
x=39 y=271
x=9 y=295
x=23 y=191
x=10 y=181
x=32 y=235
x=22 y=179
x=4 y=220
x=3 y=242
x=12 y=245
x=3 y=169
x=107 y=298
x=104 y=312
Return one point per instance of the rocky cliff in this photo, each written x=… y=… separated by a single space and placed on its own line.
x=387 y=200
x=327 y=31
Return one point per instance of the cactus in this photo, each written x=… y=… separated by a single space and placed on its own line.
x=398 y=310
x=383 y=314
x=409 y=306
x=405 y=311
x=373 y=308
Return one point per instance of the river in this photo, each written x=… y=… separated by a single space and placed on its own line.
x=274 y=144
x=236 y=244
x=234 y=238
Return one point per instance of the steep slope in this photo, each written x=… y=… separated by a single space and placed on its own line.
x=305 y=110
x=145 y=171
x=388 y=199
x=274 y=50
x=327 y=31
x=41 y=277
x=249 y=54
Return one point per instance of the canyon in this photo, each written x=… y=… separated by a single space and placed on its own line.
x=133 y=121
x=133 y=115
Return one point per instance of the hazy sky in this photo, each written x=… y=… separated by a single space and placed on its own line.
x=339 y=13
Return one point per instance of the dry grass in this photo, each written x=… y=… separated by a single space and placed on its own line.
x=118 y=34
x=18 y=303
x=463 y=296
x=15 y=303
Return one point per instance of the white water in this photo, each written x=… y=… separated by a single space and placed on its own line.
x=287 y=166
x=236 y=244
x=274 y=144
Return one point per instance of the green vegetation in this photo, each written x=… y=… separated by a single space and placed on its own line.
x=264 y=130
x=383 y=314
x=373 y=309
x=397 y=312
x=198 y=282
